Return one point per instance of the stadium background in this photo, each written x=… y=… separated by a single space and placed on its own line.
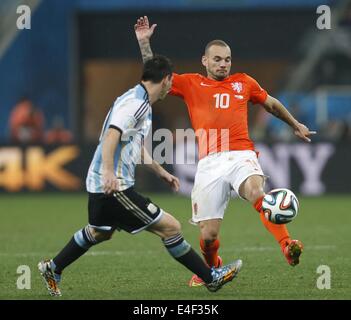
x=79 y=55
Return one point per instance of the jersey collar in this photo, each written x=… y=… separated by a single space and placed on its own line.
x=217 y=82
x=147 y=94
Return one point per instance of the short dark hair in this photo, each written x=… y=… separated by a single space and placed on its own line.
x=217 y=42
x=156 y=69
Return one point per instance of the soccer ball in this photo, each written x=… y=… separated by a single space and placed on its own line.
x=280 y=206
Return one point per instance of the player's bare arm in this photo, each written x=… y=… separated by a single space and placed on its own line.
x=275 y=107
x=163 y=174
x=143 y=32
x=109 y=145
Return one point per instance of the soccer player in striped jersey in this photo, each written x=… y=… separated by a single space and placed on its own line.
x=113 y=202
x=218 y=110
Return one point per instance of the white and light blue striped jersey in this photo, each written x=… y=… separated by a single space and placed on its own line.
x=131 y=114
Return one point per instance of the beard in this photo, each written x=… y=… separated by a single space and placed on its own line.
x=219 y=76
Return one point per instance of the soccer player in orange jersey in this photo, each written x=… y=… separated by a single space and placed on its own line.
x=218 y=106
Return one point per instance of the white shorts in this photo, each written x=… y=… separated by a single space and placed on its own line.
x=218 y=174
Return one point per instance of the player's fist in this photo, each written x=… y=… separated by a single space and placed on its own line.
x=171 y=180
x=143 y=31
x=109 y=182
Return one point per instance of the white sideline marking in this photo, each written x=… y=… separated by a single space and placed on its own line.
x=148 y=252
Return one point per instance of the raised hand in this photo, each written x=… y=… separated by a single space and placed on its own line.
x=143 y=31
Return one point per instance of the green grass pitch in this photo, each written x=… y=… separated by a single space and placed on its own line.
x=33 y=227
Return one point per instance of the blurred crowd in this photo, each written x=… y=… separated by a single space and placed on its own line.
x=27 y=126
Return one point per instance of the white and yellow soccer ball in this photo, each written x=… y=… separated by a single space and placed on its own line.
x=280 y=206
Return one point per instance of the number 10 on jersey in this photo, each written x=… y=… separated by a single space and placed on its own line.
x=222 y=100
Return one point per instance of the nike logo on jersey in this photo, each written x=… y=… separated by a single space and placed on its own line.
x=238 y=96
x=206 y=85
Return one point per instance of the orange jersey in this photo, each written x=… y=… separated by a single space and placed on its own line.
x=218 y=109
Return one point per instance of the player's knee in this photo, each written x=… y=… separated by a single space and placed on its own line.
x=209 y=234
x=209 y=237
x=100 y=236
x=173 y=227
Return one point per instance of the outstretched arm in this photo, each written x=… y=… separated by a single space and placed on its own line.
x=275 y=107
x=143 y=33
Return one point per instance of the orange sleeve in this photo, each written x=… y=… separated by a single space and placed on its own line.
x=257 y=94
x=180 y=84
